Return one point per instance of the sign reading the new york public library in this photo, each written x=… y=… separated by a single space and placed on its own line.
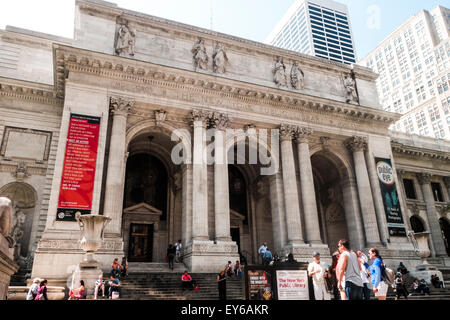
x=389 y=194
x=78 y=174
x=292 y=285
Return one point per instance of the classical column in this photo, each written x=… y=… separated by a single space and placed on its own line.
x=433 y=222
x=278 y=211
x=358 y=145
x=447 y=185
x=186 y=203
x=115 y=176
x=307 y=186
x=220 y=122
x=377 y=198
x=199 y=178
x=293 y=221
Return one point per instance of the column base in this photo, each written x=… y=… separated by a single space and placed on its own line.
x=208 y=256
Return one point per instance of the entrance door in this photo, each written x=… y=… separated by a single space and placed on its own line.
x=141 y=243
x=236 y=236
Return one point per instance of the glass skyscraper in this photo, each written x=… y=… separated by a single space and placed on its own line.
x=316 y=27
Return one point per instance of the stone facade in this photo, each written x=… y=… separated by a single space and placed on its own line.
x=155 y=94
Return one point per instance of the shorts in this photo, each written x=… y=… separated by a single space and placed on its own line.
x=382 y=289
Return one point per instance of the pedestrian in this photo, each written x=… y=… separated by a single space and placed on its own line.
x=222 y=284
x=318 y=272
x=32 y=293
x=400 y=288
x=229 y=269
x=401 y=268
x=365 y=274
x=351 y=270
x=379 y=285
x=99 y=289
x=333 y=277
x=261 y=251
x=267 y=257
x=42 y=291
x=171 y=251
x=186 y=281
x=124 y=265
x=178 y=247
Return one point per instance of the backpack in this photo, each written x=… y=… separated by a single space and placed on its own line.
x=387 y=275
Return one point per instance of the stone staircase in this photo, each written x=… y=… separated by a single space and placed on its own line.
x=155 y=281
x=435 y=293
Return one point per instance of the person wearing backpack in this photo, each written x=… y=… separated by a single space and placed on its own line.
x=377 y=269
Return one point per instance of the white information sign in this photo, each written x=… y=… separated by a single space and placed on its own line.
x=292 y=285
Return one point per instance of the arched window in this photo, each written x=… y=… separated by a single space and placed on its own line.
x=417 y=224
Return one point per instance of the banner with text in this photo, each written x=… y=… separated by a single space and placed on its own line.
x=292 y=285
x=78 y=175
x=259 y=285
x=389 y=194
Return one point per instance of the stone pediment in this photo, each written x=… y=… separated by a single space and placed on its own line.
x=143 y=208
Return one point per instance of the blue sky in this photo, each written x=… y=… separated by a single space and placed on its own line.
x=250 y=19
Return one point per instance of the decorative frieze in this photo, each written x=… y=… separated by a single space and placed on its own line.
x=415 y=152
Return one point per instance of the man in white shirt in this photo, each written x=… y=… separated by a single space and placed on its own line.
x=178 y=247
x=319 y=271
x=262 y=250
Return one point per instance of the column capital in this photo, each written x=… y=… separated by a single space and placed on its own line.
x=219 y=121
x=424 y=178
x=302 y=134
x=447 y=181
x=120 y=106
x=286 y=132
x=356 y=143
x=200 y=115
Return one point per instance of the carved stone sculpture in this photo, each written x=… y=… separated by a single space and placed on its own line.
x=279 y=73
x=125 y=39
x=220 y=59
x=199 y=55
x=17 y=233
x=297 y=77
x=6 y=215
x=350 y=90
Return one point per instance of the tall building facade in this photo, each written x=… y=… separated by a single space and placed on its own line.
x=414 y=67
x=317 y=27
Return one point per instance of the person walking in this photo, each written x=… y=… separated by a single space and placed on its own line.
x=222 y=285
x=42 y=292
x=178 y=247
x=32 y=293
x=379 y=286
x=365 y=274
x=318 y=272
x=351 y=269
x=333 y=276
x=171 y=251
x=261 y=251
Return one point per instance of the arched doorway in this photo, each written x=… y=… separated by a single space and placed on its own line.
x=445 y=229
x=152 y=197
x=328 y=181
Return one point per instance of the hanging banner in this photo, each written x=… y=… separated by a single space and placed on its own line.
x=389 y=194
x=292 y=285
x=78 y=174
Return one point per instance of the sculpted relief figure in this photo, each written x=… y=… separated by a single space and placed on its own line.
x=297 y=76
x=350 y=89
x=279 y=73
x=6 y=212
x=126 y=39
x=17 y=233
x=220 y=59
x=199 y=54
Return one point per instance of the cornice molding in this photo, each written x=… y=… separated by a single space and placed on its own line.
x=69 y=59
x=410 y=151
x=26 y=91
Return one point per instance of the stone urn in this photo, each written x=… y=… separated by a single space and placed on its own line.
x=92 y=229
x=422 y=250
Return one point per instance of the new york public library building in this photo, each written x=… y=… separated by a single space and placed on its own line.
x=93 y=124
